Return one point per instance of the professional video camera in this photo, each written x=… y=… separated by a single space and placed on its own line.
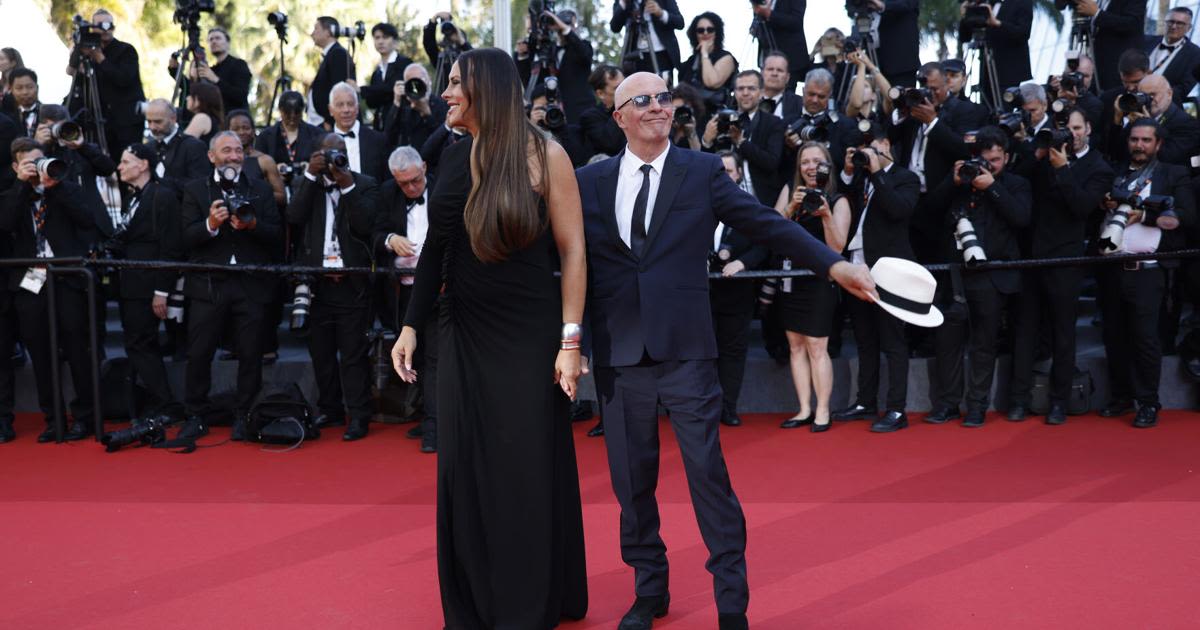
x=1133 y=102
x=965 y=238
x=238 y=204
x=187 y=12
x=814 y=198
x=905 y=99
x=416 y=89
x=302 y=302
x=814 y=127
x=555 y=118
x=1158 y=210
x=86 y=35
x=147 y=431
x=358 y=31
x=860 y=8
x=975 y=16
x=684 y=116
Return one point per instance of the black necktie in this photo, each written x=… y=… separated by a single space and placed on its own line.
x=348 y=134
x=637 y=231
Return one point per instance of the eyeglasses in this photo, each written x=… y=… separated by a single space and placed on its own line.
x=642 y=101
x=1173 y=23
x=710 y=30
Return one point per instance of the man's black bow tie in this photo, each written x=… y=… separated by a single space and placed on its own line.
x=416 y=202
x=769 y=104
x=348 y=134
x=1162 y=46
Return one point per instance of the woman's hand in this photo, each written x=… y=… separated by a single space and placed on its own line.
x=567 y=369
x=402 y=354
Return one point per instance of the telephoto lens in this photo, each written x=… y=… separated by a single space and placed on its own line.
x=67 y=131
x=416 y=88
x=51 y=168
x=967 y=241
x=175 y=302
x=301 y=303
x=1112 y=233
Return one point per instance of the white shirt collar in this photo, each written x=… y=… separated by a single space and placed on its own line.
x=354 y=129
x=630 y=163
x=1084 y=152
x=325 y=50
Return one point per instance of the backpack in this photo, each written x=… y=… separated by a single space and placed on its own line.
x=281 y=416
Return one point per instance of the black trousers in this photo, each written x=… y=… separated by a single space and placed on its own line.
x=875 y=331
x=33 y=326
x=1050 y=296
x=140 y=326
x=629 y=404
x=1130 y=303
x=339 y=347
x=8 y=337
x=971 y=327
x=731 y=322
x=231 y=302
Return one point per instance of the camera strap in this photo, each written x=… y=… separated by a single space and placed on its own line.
x=1140 y=180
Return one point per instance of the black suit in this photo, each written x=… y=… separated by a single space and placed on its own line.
x=1181 y=138
x=218 y=298
x=1130 y=301
x=341 y=305
x=1117 y=29
x=733 y=303
x=789 y=106
x=664 y=28
x=899 y=42
x=441 y=138
x=379 y=92
x=1009 y=44
x=84 y=165
x=600 y=131
x=66 y=217
x=119 y=81
x=183 y=159
x=575 y=55
x=336 y=66
x=1063 y=200
x=234 y=82
x=762 y=152
x=404 y=126
x=999 y=212
x=786 y=28
x=273 y=142
x=372 y=152
x=28 y=120
x=8 y=132
x=1180 y=72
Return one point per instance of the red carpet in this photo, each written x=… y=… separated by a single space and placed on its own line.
x=1088 y=525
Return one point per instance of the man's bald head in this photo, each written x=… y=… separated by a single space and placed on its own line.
x=1159 y=90
x=638 y=83
x=160 y=118
x=161 y=106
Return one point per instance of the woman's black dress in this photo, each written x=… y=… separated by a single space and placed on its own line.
x=809 y=307
x=509 y=521
x=691 y=72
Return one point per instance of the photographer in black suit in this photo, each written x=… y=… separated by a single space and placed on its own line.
x=779 y=94
x=148 y=229
x=663 y=18
x=45 y=218
x=1174 y=56
x=401 y=226
x=755 y=136
x=227 y=221
x=181 y=158
x=379 y=92
x=599 y=130
x=1068 y=183
x=1115 y=28
x=85 y=161
x=979 y=197
x=118 y=80
x=817 y=92
x=783 y=24
x=413 y=117
x=291 y=140
x=454 y=42
x=1180 y=133
x=1007 y=35
x=883 y=197
x=336 y=209
x=899 y=40
x=230 y=74
x=366 y=148
x=572 y=57
x=336 y=67
x=1131 y=293
x=1079 y=96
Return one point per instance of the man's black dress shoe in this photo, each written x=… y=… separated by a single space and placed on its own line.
x=596 y=431
x=942 y=416
x=415 y=433
x=1057 y=415
x=974 y=419
x=891 y=421
x=329 y=420
x=46 y=435
x=429 y=442
x=732 y=621
x=797 y=421
x=193 y=429
x=644 y=611
x=1017 y=413
x=358 y=430
x=239 y=428
x=1147 y=416
x=854 y=412
x=77 y=431
x=1116 y=409
x=731 y=420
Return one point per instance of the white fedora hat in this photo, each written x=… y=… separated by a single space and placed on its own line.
x=906 y=291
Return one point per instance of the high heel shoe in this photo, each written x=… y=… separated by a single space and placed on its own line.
x=797 y=421
x=820 y=428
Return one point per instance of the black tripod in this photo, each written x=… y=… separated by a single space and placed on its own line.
x=1081 y=41
x=637 y=41
x=979 y=50
x=84 y=104
x=283 y=83
x=865 y=34
x=446 y=58
x=191 y=51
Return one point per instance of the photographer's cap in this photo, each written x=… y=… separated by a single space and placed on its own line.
x=954 y=65
x=906 y=291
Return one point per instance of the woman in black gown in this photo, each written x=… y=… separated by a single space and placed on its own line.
x=509 y=522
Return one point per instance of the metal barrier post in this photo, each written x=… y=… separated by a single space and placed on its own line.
x=55 y=366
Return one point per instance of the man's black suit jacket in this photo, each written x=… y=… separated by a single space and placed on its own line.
x=1009 y=42
x=372 y=153
x=600 y=131
x=354 y=217
x=405 y=127
x=9 y=131
x=234 y=84
x=1181 y=72
x=152 y=234
x=119 y=81
x=391 y=217
x=1174 y=181
x=1181 y=138
x=67 y=222
x=945 y=143
x=899 y=41
x=664 y=30
x=379 y=92
x=1003 y=210
x=185 y=159
x=762 y=154
x=885 y=229
x=273 y=142
x=786 y=26
x=1064 y=200
x=737 y=296
x=248 y=246
x=790 y=107
x=574 y=91
x=1117 y=29
x=83 y=166
x=333 y=70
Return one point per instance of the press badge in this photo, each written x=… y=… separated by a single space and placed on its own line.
x=34 y=280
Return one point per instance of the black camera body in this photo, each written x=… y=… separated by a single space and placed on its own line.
x=1131 y=102
x=684 y=115
x=1013 y=122
x=147 y=431
x=728 y=119
x=335 y=159
x=1054 y=137
x=1072 y=81
x=238 y=204
x=907 y=98
x=556 y=118
x=860 y=8
x=973 y=168
x=86 y=35
x=814 y=127
x=975 y=16
x=814 y=198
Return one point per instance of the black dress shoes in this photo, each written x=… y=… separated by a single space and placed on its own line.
x=47 y=435
x=1147 y=416
x=239 y=428
x=1057 y=415
x=358 y=430
x=1116 y=409
x=891 y=421
x=644 y=611
x=1017 y=413
x=854 y=412
x=732 y=621
x=329 y=420
x=429 y=442
x=974 y=419
x=797 y=421
x=731 y=420
x=942 y=416
x=596 y=431
x=415 y=433
x=77 y=431
x=193 y=429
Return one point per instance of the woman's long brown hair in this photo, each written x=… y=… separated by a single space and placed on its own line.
x=502 y=210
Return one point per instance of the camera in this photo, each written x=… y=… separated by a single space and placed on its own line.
x=814 y=127
x=1072 y=81
x=1053 y=138
x=278 y=19
x=239 y=205
x=907 y=98
x=726 y=119
x=814 y=198
x=51 y=168
x=358 y=31
x=1012 y=98
x=448 y=28
x=301 y=302
x=852 y=44
x=335 y=159
x=1013 y=122
x=555 y=118
x=1131 y=102
x=861 y=159
x=66 y=131
x=966 y=240
x=147 y=431
x=971 y=169
x=860 y=8
x=684 y=115
x=86 y=35
x=416 y=89
x=175 y=302
x=975 y=17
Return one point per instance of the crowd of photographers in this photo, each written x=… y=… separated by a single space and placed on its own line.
x=870 y=150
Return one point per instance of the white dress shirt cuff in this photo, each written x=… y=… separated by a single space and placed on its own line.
x=347 y=190
x=160 y=294
x=309 y=176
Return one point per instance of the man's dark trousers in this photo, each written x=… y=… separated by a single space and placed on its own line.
x=875 y=331
x=340 y=320
x=231 y=302
x=33 y=321
x=1129 y=304
x=1055 y=293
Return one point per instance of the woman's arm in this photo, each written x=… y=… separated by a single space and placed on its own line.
x=200 y=125
x=566 y=223
x=837 y=225
x=266 y=163
x=781 y=204
x=714 y=76
x=855 y=101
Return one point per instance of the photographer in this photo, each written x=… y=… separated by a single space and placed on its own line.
x=117 y=79
x=1131 y=293
x=1116 y=28
x=45 y=218
x=984 y=206
x=1068 y=182
x=415 y=113
x=756 y=137
x=973 y=115
x=23 y=86
x=690 y=114
x=661 y=18
x=1174 y=56
x=181 y=158
x=883 y=197
x=826 y=126
x=148 y=229
x=710 y=69
x=1007 y=35
x=230 y=74
x=783 y=21
x=452 y=38
x=542 y=113
x=336 y=67
x=335 y=208
x=365 y=147
x=779 y=93
x=291 y=139
x=227 y=219
x=572 y=61
x=868 y=99
x=379 y=93
x=599 y=130
x=85 y=160
x=401 y=227
x=899 y=40
x=1076 y=90
x=829 y=54
x=1179 y=132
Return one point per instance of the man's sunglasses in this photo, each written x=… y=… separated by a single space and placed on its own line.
x=642 y=101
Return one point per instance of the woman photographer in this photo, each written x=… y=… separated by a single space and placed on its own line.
x=868 y=98
x=690 y=114
x=806 y=304
x=711 y=68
